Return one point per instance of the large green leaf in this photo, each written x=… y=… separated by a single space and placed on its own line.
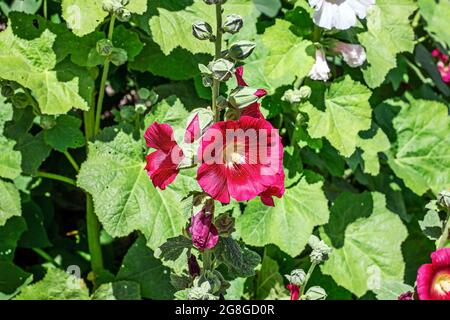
x=436 y=15
x=10 y=159
x=84 y=16
x=267 y=278
x=9 y=201
x=280 y=58
x=290 y=223
x=139 y=265
x=347 y=112
x=30 y=63
x=120 y=290
x=124 y=197
x=12 y=278
x=56 y=285
x=388 y=34
x=65 y=134
x=10 y=234
x=170 y=29
x=367 y=238
x=421 y=156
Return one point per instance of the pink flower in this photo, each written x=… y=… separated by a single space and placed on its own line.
x=354 y=54
x=162 y=165
x=433 y=280
x=193 y=267
x=253 y=109
x=241 y=159
x=294 y=290
x=193 y=131
x=444 y=70
x=204 y=232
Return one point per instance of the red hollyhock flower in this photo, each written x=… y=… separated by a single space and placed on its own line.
x=433 y=280
x=294 y=290
x=204 y=232
x=162 y=165
x=253 y=109
x=241 y=159
x=193 y=131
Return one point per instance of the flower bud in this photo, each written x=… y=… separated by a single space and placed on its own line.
x=104 y=47
x=297 y=277
x=222 y=102
x=214 y=1
x=123 y=14
x=353 y=54
x=119 y=56
x=111 y=6
x=444 y=198
x=140 y=108
x=202 y=30
x=225 y=225
x=297 y=95
x=233 y=23
x=198 y=121
x=315 y=293
x=20 y=100
x=7 y=91
x=242 y=97
x=320 y=252
x=193 y=267
x=221 y=69
x=47 y=121
x=241 y=50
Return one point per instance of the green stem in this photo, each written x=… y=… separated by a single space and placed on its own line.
x=72 y=161
x=54 y=176
x=444 y=237
x=93 y=233
x=46 y=256
x=45 y=10
x=217 y=54
x=101 y=93
x=207 y=260
x=308 y=275
x=317 y=34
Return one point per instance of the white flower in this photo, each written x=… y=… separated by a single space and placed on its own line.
x=320 y=69
x=339 y=14
x=354 y=54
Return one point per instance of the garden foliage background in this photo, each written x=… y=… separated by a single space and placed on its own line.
x=363 y=155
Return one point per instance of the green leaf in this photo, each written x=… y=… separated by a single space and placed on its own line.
x=28 y=6
x=9 y=202
x=370 y=251
x=431 y=225
x=120 y=290
x=83 y=16
x=12 y=279
x=236 y=289
x=65 y=134
x=276 y=63
x=10 y=159
x=56 y=285
x=290 y=223
x=269 y=8
x=388 y=34
x=139 y=265
x=174 y=247
x=36 y=235
x=170 y=111
x=268 y=277
x=421 y=156
x=128 y=40
x=124 y=197
x=30 y=63
x=170 y=29
x=9 y=236
x=436 y=15
x=392 y=289
x=34 y=151
x=347 y=112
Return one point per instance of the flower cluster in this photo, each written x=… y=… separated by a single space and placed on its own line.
x=443 y=64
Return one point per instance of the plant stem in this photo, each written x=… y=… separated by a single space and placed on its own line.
x=308 y=275
x=46 y=256
x=72 y=161
x=101 y=93
x=207 y=262
x=218 y=52
x=444 y=237
x=54 y=176
x=45 y=9
x=93 y=233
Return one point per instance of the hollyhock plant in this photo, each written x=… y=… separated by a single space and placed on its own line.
x=162 y=164
x=320 y=70
x=354 y=54
x=339 y=14
x=204 y=232
x=433 y=279
x=241 y=168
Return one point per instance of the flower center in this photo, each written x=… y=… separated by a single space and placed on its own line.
x=233 y=154
x=441 y=282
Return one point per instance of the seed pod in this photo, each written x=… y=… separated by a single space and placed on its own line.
x=221 y=69
x=241 y=50
x=444 y=198
x=47 y=121
x=20 y=100
x=104 y=47
x=202 y=30
x=242 y=97
x=297 y=277
x=315 y=293
x=233 y=23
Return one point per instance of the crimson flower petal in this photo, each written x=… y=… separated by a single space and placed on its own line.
x=204 y=233
x=193 y=131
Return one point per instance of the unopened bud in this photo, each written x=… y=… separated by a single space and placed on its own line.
x=123 y=14
x=111 y=6
x=104 y=47
x=297 y=95
x=233 y=23
x=241 y=50
x=202 y=30
x=47 y=121
x=221 y=69
x=297 y=277
x=444 y=198
x=315 y=293
x=242 y=97
x=321 y=250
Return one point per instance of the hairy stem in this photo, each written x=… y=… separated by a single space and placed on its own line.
x=101 y=92
x=308 y=275
x=93 y=233
x=217 y=54
x=57 y=177
x=207 y=260
x=72 y=161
